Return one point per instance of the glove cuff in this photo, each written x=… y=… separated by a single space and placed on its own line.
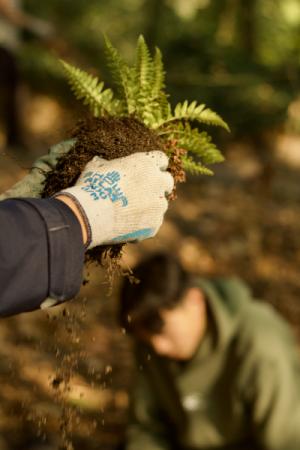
x=97 y=215
x=82 y=213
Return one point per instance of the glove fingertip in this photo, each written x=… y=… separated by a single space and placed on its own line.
x=168 y=183
x=95 y=163
x=160 y=159
x=98 y=160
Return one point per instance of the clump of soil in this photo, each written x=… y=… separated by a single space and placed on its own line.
x=176 y=168
x=109 y=138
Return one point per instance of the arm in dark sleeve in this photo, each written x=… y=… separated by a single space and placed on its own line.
x=41 y=254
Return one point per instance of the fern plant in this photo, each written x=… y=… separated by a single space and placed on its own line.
x=139 y=91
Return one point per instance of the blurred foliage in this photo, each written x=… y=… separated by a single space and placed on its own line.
x=240 y=57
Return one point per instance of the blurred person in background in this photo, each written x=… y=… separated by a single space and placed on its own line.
x=215 y=368
x=12 y=21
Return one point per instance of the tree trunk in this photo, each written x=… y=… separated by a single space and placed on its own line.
x=247 y=26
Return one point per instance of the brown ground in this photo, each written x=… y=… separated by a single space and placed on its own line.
x=232 y=223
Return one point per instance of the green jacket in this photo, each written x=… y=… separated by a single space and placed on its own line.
x=241 y=389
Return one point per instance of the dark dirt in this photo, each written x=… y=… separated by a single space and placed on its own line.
x=108 y=138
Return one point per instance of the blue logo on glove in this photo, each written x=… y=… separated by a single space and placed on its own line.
x=103 y=186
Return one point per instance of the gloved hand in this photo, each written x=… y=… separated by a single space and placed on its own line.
x=122 y=200
x=32 y=184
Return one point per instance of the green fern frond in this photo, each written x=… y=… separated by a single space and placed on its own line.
x=203 y=148
x=123 y=77
x=211 y=118
x=156 y=112
x=165 y=107
x=88 y=88
x=144 y=72
x=143 y=68
x=199 y=143
x=199 y=113
x=152 y=101
x=190 y=165
x=150 y=117
x=159 y=74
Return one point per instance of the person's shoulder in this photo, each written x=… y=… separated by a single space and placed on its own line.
x=231 y=293
x=262 y=331
x=266 y=350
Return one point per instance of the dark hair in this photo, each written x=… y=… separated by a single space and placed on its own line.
x=161 y=284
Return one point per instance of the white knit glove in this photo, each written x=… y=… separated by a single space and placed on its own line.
x=123 y=199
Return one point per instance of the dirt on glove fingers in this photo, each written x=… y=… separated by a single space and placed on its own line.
x=108 y=138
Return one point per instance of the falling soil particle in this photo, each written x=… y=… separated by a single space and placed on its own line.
x=108 y=138
x=68 y=361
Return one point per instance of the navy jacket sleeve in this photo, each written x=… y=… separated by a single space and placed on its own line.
x=41 y=254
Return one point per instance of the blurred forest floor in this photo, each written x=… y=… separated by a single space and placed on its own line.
x=68 y=372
